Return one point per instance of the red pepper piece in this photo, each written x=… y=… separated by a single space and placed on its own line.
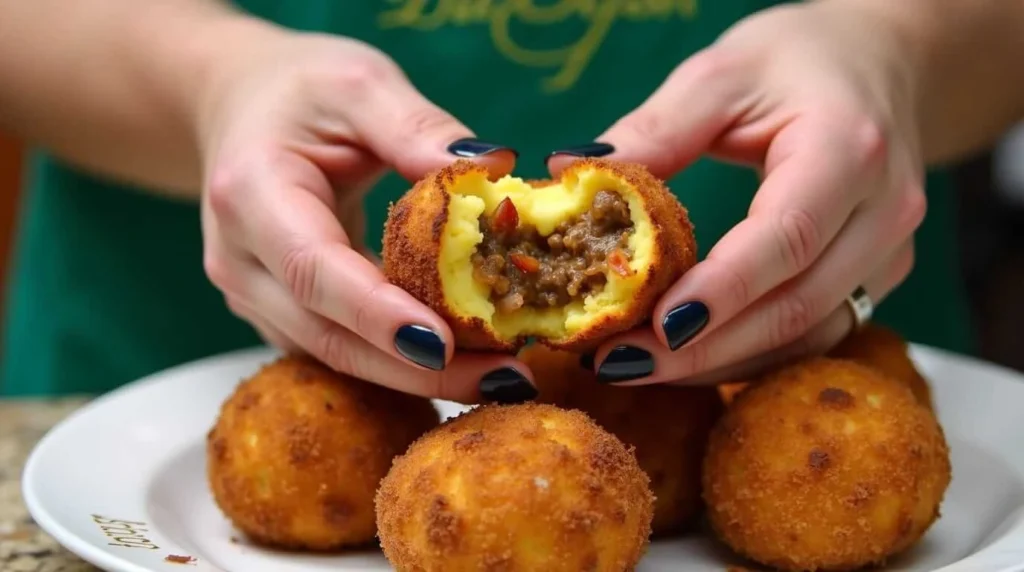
x=524 y=262
x=505 y=218
x=619 y=262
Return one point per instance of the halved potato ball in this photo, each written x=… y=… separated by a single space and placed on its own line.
x=825 y=465
x=882 y=348
x=569 y=262
x=298 y=451
x=515 y=488
x=667 y=425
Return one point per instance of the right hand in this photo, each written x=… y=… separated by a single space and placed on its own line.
x=294 y=134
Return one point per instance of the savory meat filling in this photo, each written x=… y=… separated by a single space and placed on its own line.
x=523 y=268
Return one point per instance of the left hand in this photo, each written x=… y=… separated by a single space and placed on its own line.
x=820 y=99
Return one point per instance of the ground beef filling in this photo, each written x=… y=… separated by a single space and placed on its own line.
x=523 y=268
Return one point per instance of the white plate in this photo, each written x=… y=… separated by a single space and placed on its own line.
x=122 y=481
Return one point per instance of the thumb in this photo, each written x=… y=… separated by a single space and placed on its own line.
x=681 y=119
x=415 y=136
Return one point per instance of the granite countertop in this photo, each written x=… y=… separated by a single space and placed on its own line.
x=24 y=547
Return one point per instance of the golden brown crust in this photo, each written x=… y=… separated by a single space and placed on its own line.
x=729 y=391
x=875 y=346
x=410 y=261
x=882 y=348
x=298 y=450
x=825 y=465
x=515 y=488
x=667 y=425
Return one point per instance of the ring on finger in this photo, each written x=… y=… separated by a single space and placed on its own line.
x=861 y=306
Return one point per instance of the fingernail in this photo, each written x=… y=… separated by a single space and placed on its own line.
x=472 y=147
x=587 y=361
x=420 y=345
x=588 y=150
x=684 y=322
x=625 y=363
x=506 y=385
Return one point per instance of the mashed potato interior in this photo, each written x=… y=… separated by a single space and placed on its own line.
x=544 y=208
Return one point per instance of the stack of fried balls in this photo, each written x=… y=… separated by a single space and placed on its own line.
x=831 y=463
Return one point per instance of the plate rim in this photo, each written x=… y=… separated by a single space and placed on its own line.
x=74 y=543
x=95 y=555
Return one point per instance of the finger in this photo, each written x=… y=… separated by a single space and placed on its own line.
x=774 y=322
x=415 y=136
x=237 y=271
x=812 y=186
x=681 y=119
x=273 y=336
x=297 y=237
x=817 y=341
x=470 y=377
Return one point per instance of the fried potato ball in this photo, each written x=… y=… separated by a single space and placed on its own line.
x=825 y=465
x=297 y=453
x=515 y=488
x=876 y=346
x=667 y=425
x=570 y=262
x=880 y=347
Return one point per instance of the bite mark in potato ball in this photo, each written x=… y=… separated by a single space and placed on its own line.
x=515 y=488
x=826 y=464
x=570 y=262
x=298 y=450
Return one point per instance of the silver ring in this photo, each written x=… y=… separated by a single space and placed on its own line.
x=861 y=306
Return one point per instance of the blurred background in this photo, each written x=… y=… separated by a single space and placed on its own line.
x=991 y=232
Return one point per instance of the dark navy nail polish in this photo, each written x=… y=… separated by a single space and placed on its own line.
x=588 y=150
x=684 y=322
x=587 y=361
x=625 y=363
x=506 y=385
x=420 y=345
x=471 y=147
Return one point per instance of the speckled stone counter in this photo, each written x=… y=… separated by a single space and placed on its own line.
x=24 y=547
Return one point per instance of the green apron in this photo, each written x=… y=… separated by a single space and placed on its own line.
x=107 y=283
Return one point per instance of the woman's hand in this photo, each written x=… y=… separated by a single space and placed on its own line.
x=820 y=99
x=293 y=137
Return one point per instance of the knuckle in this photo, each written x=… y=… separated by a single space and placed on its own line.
x=693 y=360
x=714 y=71
x=236 y=307
x=913 y=207
x=222 y=192
x=366 y=313
x=737 y=287
x=439 y=386
x=361 y=75
x=646 y=126
x=799 y=238
x=301 y=268
x=708 y=65
x=216 y=269
x=792 y=318
x=869 y=141
x=427 y=119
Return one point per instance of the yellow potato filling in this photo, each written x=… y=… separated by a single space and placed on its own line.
x=473 y=197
